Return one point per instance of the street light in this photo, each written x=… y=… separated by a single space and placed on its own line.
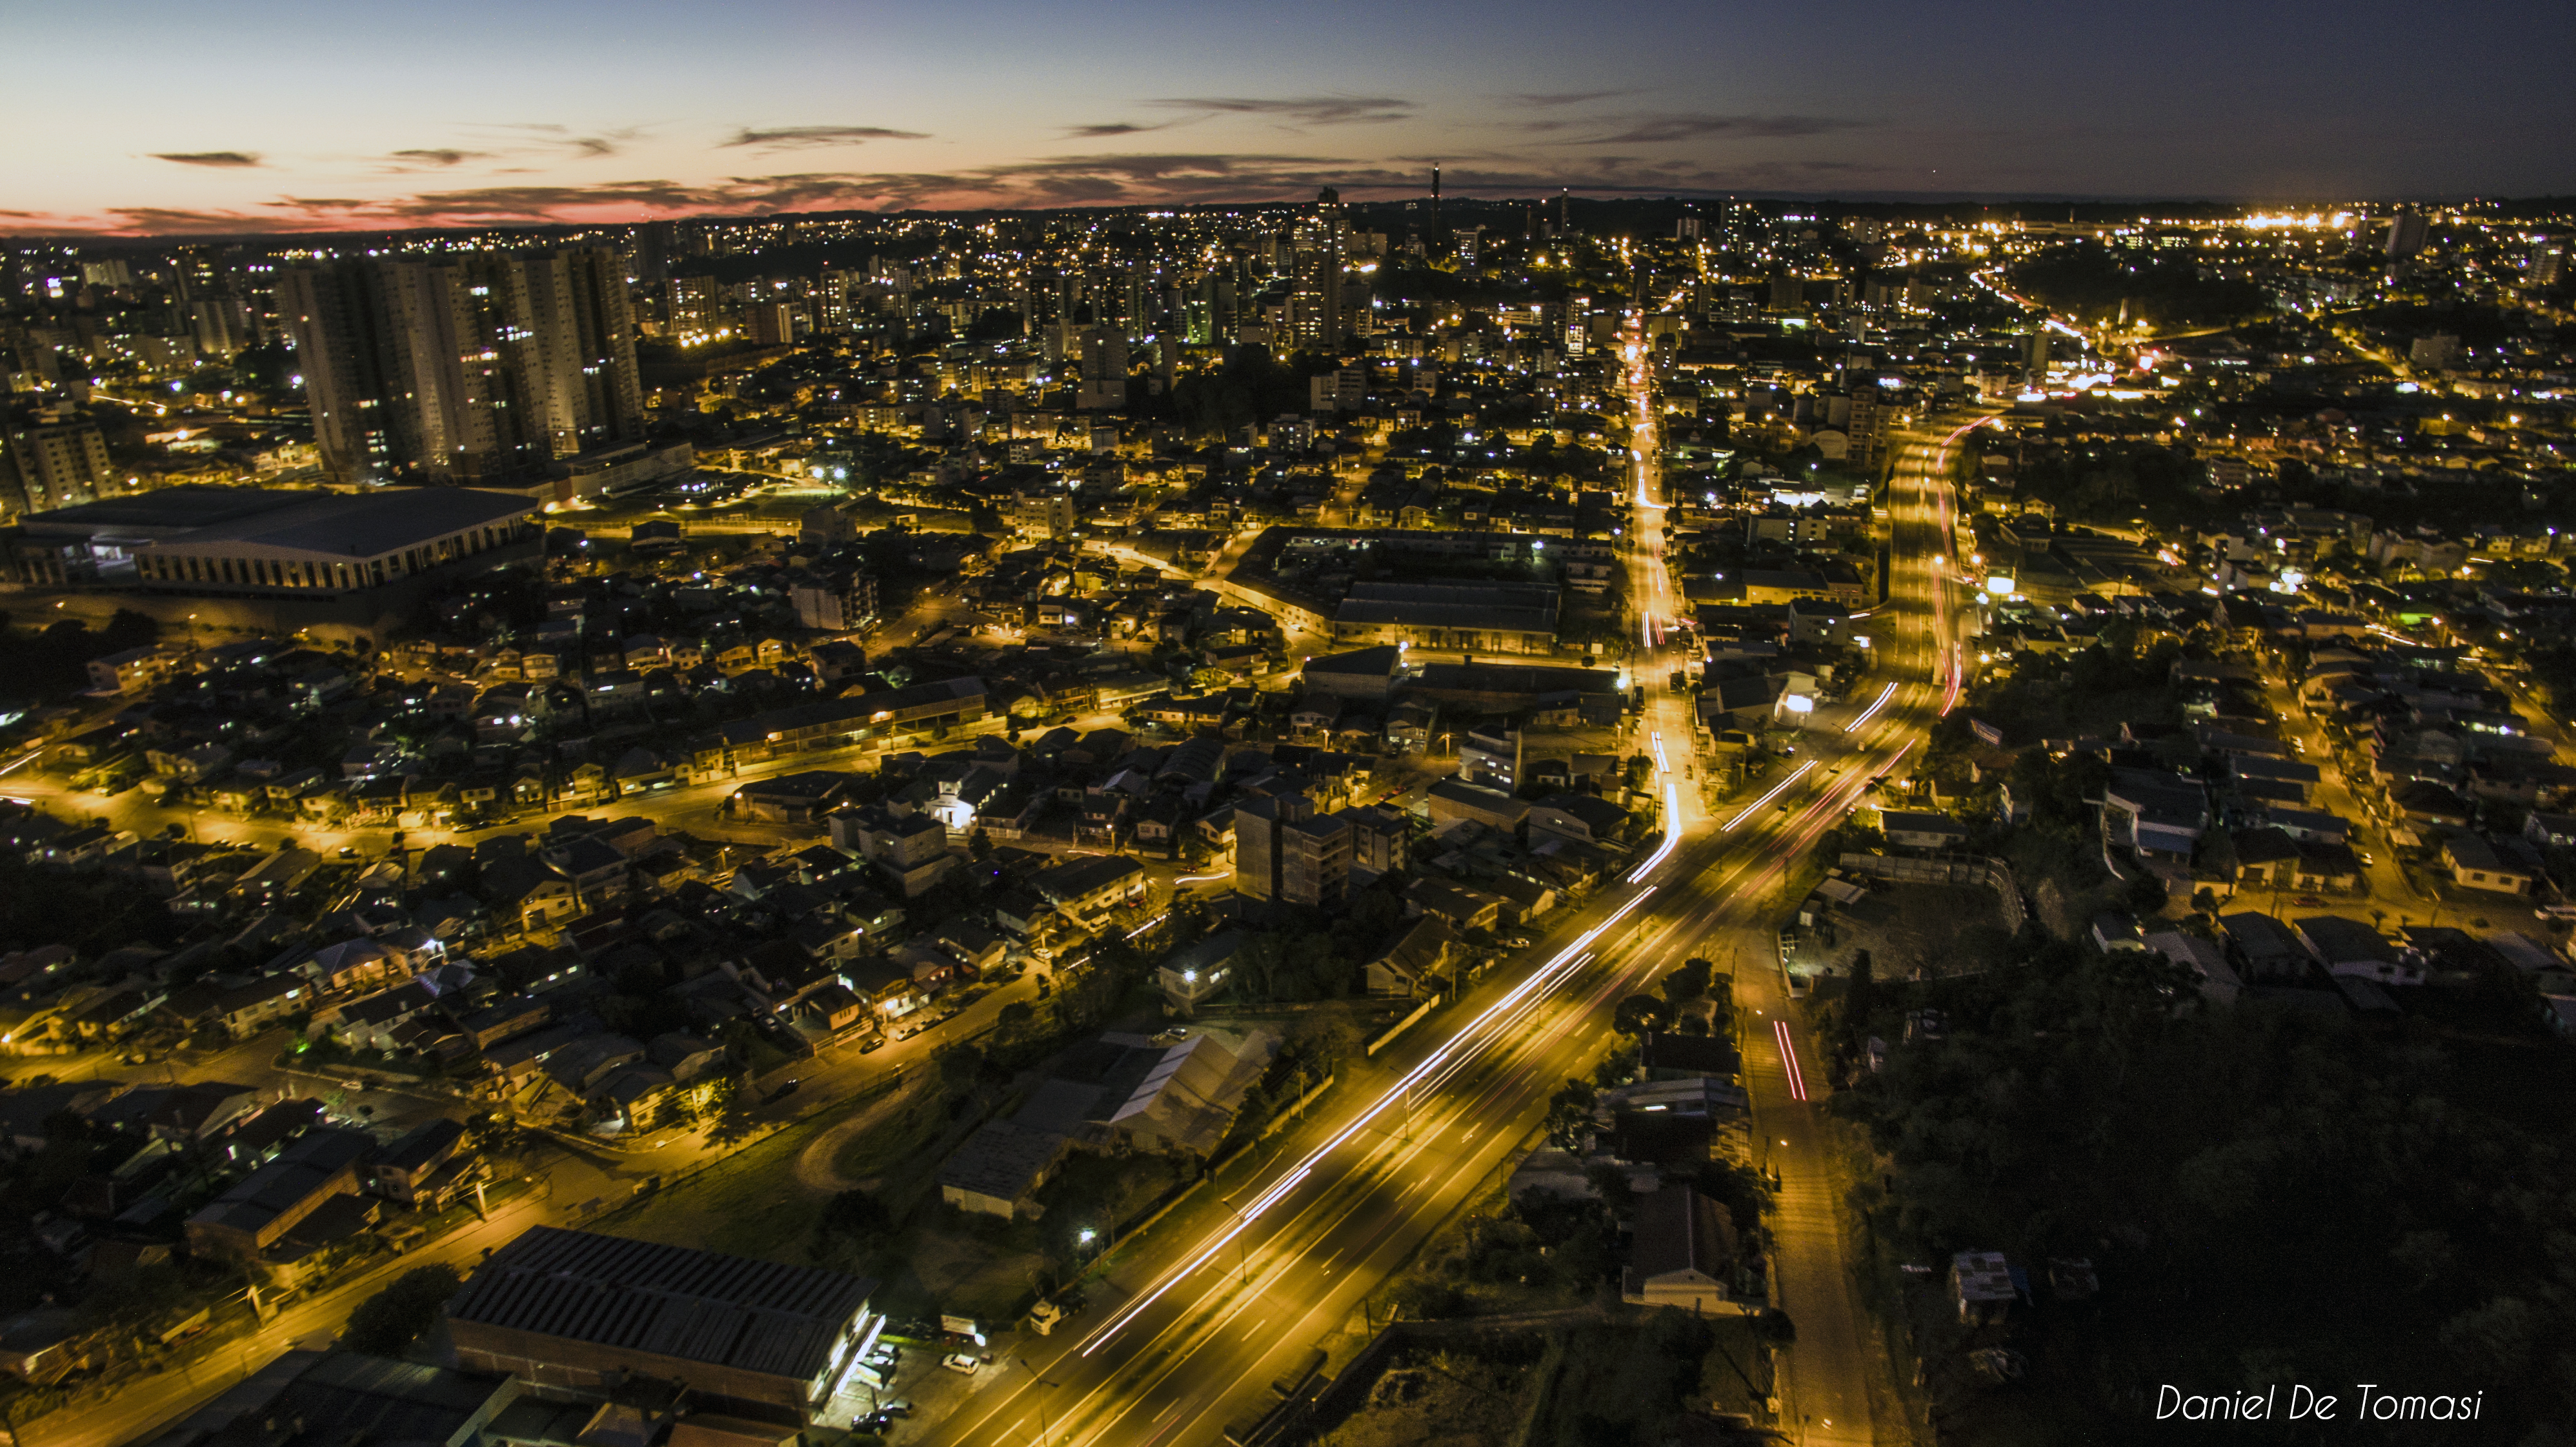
x=1044 y=1431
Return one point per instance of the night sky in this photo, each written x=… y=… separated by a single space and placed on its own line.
x=156 y=116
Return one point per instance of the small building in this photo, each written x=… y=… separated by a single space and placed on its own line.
x=264 y=1205
x=1192 y=975
x=2263 y=948
x=2206 y=959
x=1421 y=962
x=1981 y=1283
x=1452 y=802
x=1684 y=1254
x=423 y=1170
x=2494 y=867
x=1583 y=818
x=996 y=1171
x=2349 y=948
x=1908 y=829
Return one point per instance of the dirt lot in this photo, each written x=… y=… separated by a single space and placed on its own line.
x=1908 y=929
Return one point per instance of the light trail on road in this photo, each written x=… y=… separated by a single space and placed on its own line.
x=1872 y=711
x=1467 y=1039
x=1789 y=1060
x=1776 y=790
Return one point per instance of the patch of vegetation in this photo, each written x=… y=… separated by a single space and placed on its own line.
x=2089 y=281
x=387 y=1323
x=2266 y=1195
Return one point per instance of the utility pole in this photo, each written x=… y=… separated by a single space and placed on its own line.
x=1044 y=1431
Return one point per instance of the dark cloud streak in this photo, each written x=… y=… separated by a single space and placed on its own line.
x=1111 y=129
x=797 y=138
x=1649 y=130
x=439 y=157
x=226 y=159
x=1328 y=110
x=1551 y=100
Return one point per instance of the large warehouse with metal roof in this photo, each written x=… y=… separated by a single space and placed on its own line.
x=263 y=542
x=575 y=1309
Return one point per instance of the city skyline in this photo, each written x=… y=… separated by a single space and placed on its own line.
x=298 y=122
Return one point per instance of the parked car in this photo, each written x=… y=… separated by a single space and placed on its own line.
x=961 y=1362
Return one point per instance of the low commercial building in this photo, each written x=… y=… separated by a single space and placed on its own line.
x=578 y=1310
x=1474 y=617
x=838 y=723
x=266 y=1204
x=268 y=542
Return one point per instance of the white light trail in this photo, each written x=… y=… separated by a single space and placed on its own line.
x=1553 y=973
x=1776 y=790
x=1872 y=711
x=1672 y=833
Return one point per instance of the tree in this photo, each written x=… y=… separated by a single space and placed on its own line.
x=980 y=845
x=387 y=1323
x=957 y=1066
x=1640 y=1015
x=1688 y=983
x=1014 y=1018
x=136 y=1301
x=1569 y=1114
x=1329 y=1035
x=726 y=1116
x=1859 y=998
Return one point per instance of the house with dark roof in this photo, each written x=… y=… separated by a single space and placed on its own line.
x=1684 y=1255
x=263 y=1206
x=1583 y=818
x=1420 y=962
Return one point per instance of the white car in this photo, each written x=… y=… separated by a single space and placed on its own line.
x=962 y=1363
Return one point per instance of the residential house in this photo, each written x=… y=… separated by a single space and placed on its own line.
x=1683 y=1254
x=1908 y=829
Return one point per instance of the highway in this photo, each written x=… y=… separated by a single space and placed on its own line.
x=1187 y=1332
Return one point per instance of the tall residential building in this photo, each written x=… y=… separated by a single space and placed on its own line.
x=1104 y=369
x=1316 y=306
x=834 y=601
x=2548 y=262
x=1491 y=755
x=467 y=368
x=54 y=457
x=1284 y=850
x=770 y=323
x=690 y=304
x=2406 y=234
x=654 y=242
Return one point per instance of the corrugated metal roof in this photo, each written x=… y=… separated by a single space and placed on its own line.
x=665 y=1300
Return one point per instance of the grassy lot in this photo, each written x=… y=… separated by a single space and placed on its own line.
x=750 y=1204
x=1632 y=1380
x=897 y=1154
